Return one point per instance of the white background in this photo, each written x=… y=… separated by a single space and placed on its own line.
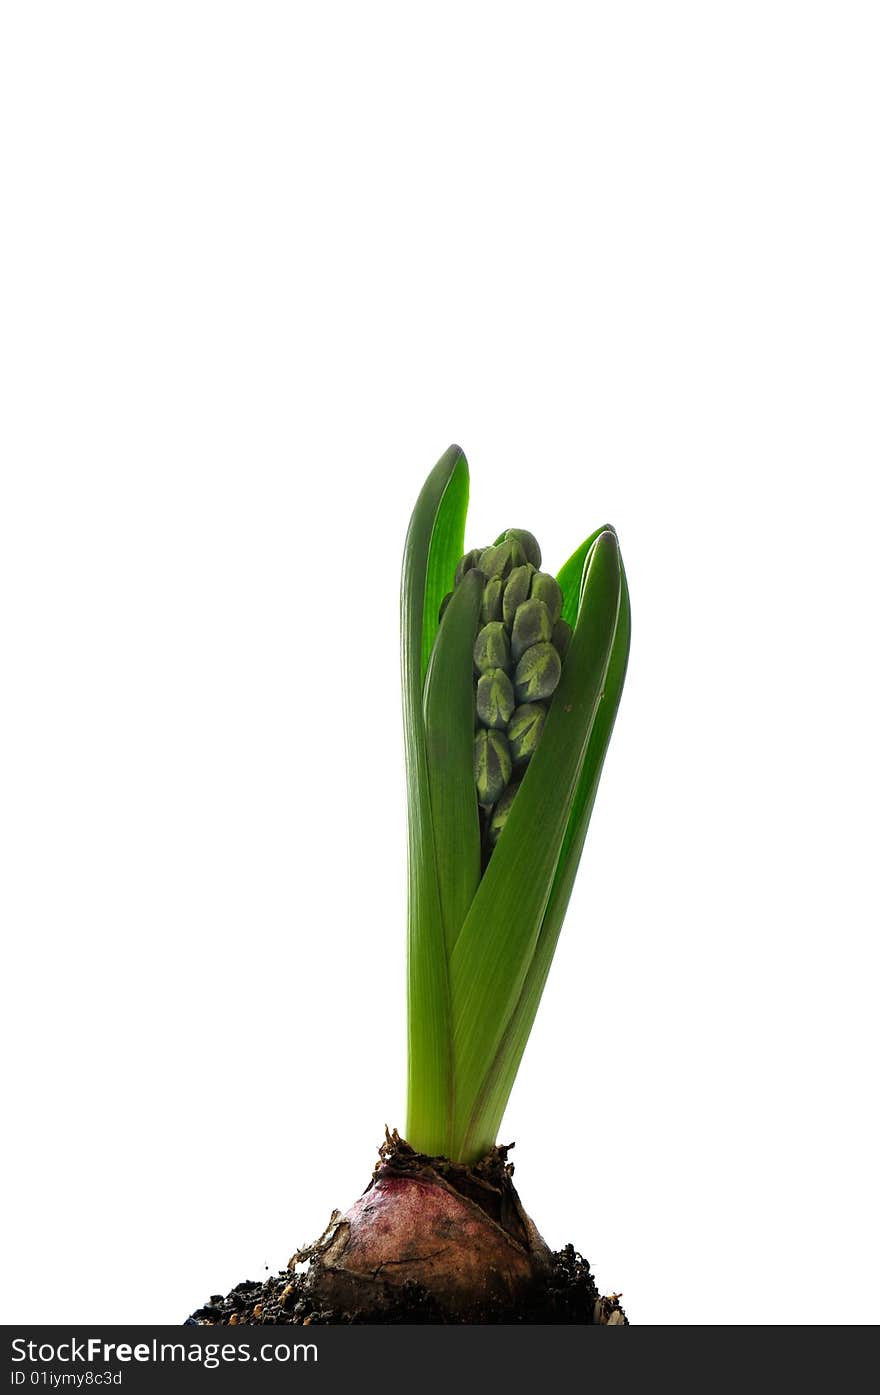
x=261 y=263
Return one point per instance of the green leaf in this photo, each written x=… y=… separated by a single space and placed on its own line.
x=571 y=576
x=447 y=546
x=491 y=1102
x=434 y=541
x=497 y=942
x=449 y=729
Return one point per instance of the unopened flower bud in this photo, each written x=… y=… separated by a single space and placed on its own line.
x=528 y=542
x=524 y=731
x=467 y=563
x=495 y=699
x=500 y=812
x=491 y=607
x=531 y=625
x=492 y=765
x=516 y=590
x=547 y=589
x=501 y=559
x=537 y=673
x=492 y=648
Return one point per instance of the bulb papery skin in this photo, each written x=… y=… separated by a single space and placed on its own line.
x=419 y=1222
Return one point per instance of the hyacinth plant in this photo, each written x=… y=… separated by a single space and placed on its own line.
x=511 y=683
x=511 y=680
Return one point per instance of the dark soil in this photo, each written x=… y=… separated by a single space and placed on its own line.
x=563 y=1290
